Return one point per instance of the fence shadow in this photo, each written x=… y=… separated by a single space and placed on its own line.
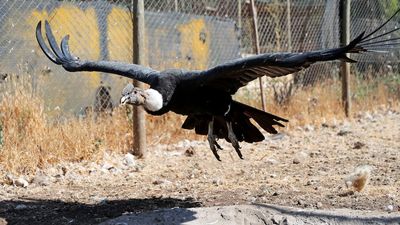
x=43 y=211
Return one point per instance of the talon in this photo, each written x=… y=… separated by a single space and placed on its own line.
x=233 y=139
x=218 y=146
x=212 y=140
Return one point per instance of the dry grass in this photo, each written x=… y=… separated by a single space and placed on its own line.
x=32 y=139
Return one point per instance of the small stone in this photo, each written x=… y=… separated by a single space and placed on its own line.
x=41 y=180
x=129 y=160
x=107 y=167
x=8 y=179
x=189 y=152
x=103 y=201
x=358 y=145
x=217 y=182
x=390 y=208
x=272 y=161
x=319 y=205
x=309 y=128
x=277 y=219
x=300 y=157
x=300 y=202
x=277 y=136
x=290 y=220
x=114 y=170
x=21 y=182
x=158 y=182
x=343 y=132
x=21 y=206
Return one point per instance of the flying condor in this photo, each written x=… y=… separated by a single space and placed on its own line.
x=206 y=96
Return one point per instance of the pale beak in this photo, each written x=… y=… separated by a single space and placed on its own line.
x=124 y=99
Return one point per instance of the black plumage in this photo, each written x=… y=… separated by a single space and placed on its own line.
x=206 y=96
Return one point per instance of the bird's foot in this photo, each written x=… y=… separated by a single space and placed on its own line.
x=236 y=145
x=233 y=139
x=214 y=145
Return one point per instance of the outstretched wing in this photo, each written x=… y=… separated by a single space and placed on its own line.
x=238 y=73
x=61 y=55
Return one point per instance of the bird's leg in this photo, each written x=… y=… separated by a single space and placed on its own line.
x=212 y=139
x=233 y=139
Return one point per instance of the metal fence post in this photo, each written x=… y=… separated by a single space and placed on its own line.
x=345 y=67
x=289 y=25
x=139 y=57
x=253 y=13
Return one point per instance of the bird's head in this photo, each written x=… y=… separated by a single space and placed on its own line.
x=151 y=99
x=132 y=95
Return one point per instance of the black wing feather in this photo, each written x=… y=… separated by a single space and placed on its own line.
x=235 y=74
x=61 y=55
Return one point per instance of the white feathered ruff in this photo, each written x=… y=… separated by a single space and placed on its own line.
x=153 y=101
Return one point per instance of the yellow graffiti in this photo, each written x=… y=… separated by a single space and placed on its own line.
x=120 y=35
x=68 y=19
x=195 y=43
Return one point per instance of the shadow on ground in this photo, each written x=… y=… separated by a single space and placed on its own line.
x=37 y=211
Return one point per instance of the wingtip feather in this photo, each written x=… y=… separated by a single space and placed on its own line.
x=43 y=46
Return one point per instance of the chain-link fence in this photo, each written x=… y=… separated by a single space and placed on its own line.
x=190 y=34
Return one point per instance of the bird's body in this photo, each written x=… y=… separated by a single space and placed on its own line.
x=183 y=96
x=205 y=97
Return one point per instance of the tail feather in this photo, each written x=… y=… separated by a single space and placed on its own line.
x=243 y=128
x=264 y=119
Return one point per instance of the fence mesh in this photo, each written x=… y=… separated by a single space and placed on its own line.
x=188 y=34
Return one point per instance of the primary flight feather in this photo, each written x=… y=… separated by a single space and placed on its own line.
x=206 y=96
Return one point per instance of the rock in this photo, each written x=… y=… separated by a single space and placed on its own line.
x=272 y=161
x=300 y=157
x=358 y=145
x=300 y=202
x=8 y=179
x=129 y=160
x=275 y=194
x=309 y=128
x=343 y=132
x=54 y=172
x=114 y=170
x=325 y=125
x=21 y=182
x=319 y=205
x=158 y=182
x=189 y=152
x=21 y=207
x=217 y=182
x=390 y=208
x=291 y=220
x=64 y=170
x=277 y=136
x=107 y=166
x=41 y=180
x=277 y=219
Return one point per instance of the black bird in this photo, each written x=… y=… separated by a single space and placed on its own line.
x=206 y=96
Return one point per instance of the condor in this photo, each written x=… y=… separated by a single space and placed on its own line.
x=206 y=96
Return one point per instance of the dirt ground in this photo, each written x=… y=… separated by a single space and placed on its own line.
x=305 y=167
